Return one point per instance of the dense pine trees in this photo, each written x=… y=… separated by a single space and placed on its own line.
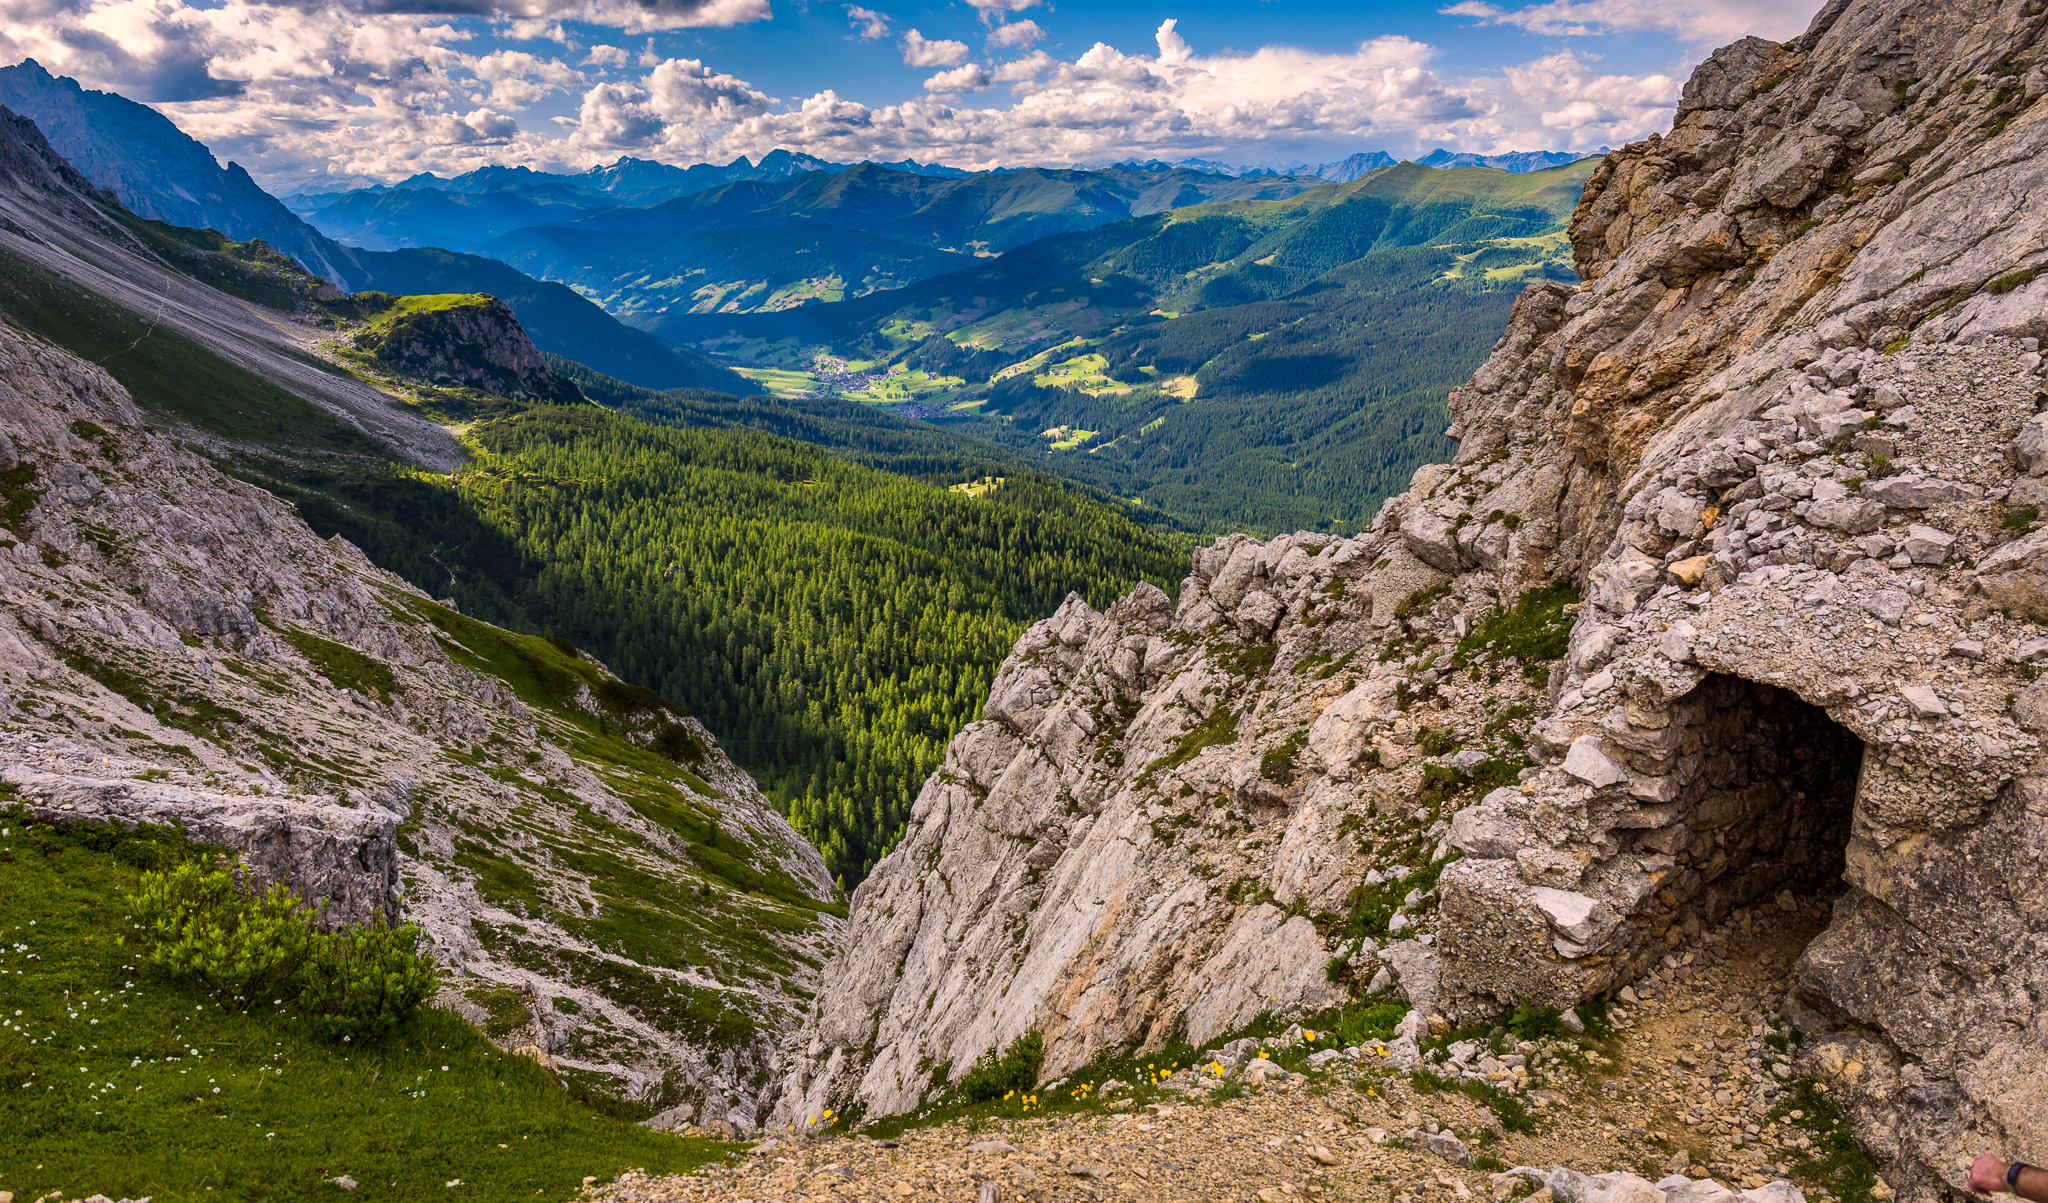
x=834 y=625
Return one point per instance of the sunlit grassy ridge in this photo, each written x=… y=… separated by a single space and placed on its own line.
x=117 y=1082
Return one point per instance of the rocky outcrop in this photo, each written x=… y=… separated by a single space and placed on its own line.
x=345 y=858
x=464 y=341
x=179 y=648
x=1729 y=595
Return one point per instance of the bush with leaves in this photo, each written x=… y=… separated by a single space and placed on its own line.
x=205 y=921
x=1017 y=1069
x=200 y=921
x=361 y=982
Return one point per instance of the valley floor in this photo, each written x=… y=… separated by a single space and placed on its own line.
x=1695 y=1078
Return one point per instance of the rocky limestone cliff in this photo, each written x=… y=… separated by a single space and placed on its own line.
x=1783 y=445
x=461 y=341
x=608 y=891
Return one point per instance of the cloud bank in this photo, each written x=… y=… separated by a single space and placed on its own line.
x=363 y=90
x=1697 y=22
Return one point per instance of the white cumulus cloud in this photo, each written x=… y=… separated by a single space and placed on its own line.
x=1173 y=48
x=684 y=89
x=518 y=79
x=921 y=51
x=971 y=78
x=993 y=10
x=1012 y=34
x=1031 y=66
x=868 y=25
x=1698 y=22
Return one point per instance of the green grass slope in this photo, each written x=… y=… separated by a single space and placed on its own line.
x=116 y=1082
x=644 y=274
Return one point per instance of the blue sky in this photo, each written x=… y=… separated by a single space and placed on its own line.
x=804 y=47
x=332 y=92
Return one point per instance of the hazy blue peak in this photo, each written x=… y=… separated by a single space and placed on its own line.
x=1513 y=161
x=1349 y=168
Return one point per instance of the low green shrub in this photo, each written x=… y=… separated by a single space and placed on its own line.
x=204 y=921
x=2011 y=280
x=1835 y=1158
x=1535 y=630
x=1017 y=1069
x=1509 y=1110
x=677 y=743
x=359 y=983
x=1530 y=1021
x=199 y=922
x=1277 y=766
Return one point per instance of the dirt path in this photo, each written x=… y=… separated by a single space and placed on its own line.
x=1685 y=1081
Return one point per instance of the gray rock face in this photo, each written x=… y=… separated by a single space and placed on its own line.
x=347 y=858
x=1415 y=973
x=1589 y=764
x=1771 y=439
x=1486 y=831
x=475 y=344
x=1917 y=492
x=418 y=787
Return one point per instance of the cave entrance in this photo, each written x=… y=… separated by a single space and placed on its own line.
x=1770 y=800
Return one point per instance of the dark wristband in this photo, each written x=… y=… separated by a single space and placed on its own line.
x=2012 y=1175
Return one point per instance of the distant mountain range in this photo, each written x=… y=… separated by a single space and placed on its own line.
x=1266 y=365
x=959 y=211
x=790 y=232
x=648 y=241
x=1349 y=168
x=628 y=181
x=1518 y=162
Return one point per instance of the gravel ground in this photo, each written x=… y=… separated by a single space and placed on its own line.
x=1687 y=1068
